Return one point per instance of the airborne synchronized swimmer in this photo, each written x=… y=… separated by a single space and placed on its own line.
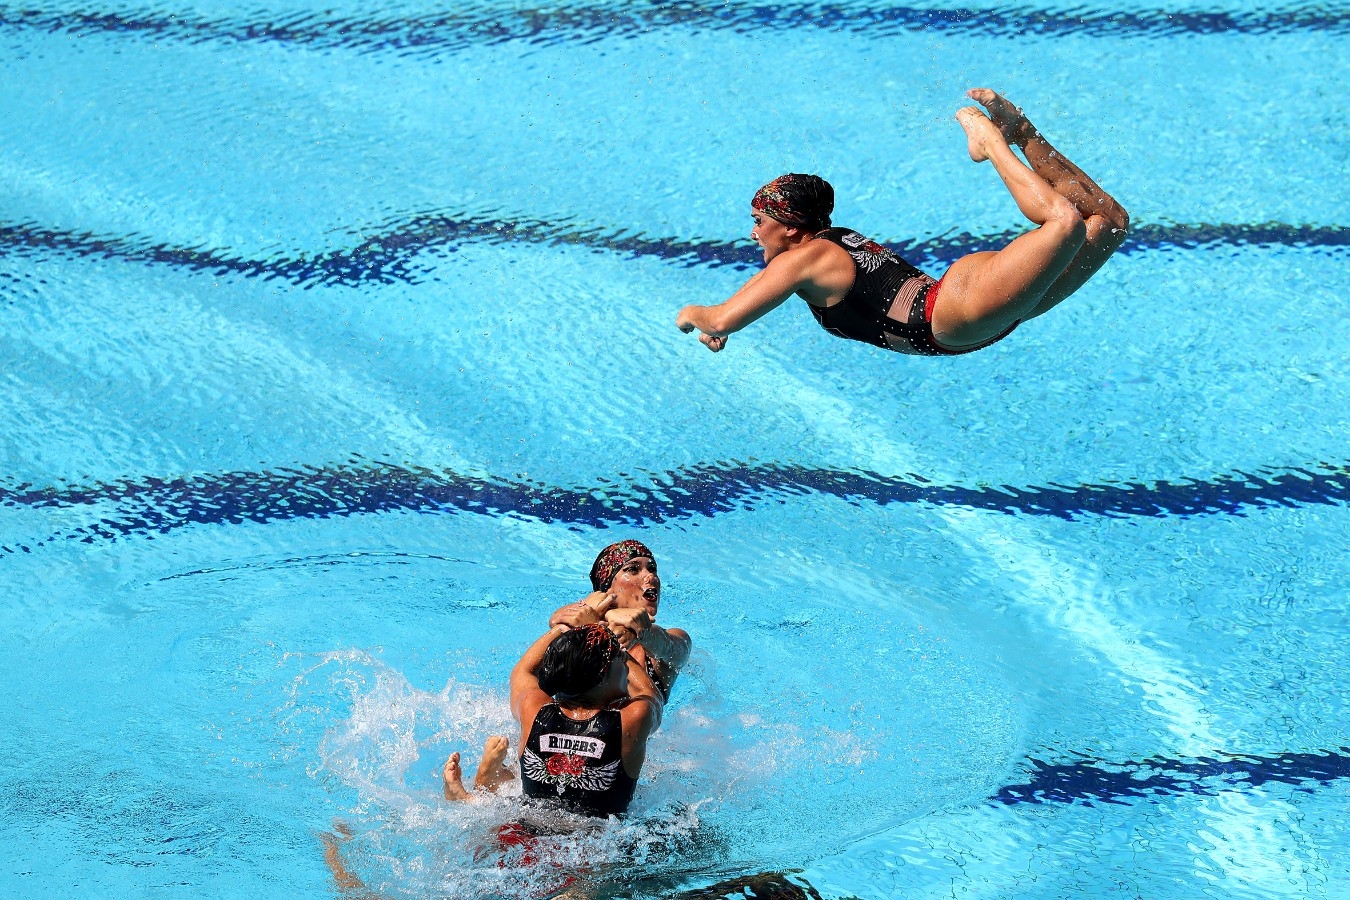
x=860 y=290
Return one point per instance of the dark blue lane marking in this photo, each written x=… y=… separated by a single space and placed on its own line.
x=351 y=268
x=1099 y=781
x=1092 y=781
x=389 y=257
x=761 y=886
x=427 y=36
x=149 y=506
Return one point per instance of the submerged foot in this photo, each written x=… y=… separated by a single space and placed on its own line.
x=1011 y=122
x=453 y=780
x=492 y=770
x=980 y=132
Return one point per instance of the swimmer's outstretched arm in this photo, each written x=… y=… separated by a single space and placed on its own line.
x=762 y=294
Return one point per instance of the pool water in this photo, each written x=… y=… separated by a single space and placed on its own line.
x=337 y=340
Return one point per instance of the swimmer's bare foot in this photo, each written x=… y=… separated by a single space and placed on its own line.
x=453 y=780
x=492 y=771
x=1009 y=119
x=979 y=132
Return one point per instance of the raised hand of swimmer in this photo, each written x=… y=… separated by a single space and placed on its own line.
x=589 y=610
x=712 y=342
x=628 y=625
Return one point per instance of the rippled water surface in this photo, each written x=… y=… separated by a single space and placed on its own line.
x=334 y=342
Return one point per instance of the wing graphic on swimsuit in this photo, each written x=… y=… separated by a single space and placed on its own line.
x=868 y=262
x=599 y=778
x=536 y=769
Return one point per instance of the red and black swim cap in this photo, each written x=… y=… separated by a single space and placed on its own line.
x=804 y=201
x=612 y=559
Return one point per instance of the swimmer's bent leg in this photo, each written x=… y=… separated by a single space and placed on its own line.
x=1106 y=221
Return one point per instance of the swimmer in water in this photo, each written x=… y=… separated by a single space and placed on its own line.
x=626 y=594
x=859 y=290
x=586 y=708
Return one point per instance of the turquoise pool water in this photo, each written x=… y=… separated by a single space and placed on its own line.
x=337 y=340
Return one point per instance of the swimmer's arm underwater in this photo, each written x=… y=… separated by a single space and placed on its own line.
x=670 y=645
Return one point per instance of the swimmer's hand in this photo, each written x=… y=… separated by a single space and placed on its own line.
x=685 y=321
x=628 y=625
x=589 y=610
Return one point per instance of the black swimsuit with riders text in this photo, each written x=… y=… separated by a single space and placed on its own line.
x=577 y=765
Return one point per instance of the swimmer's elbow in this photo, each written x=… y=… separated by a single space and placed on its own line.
x=655 y=709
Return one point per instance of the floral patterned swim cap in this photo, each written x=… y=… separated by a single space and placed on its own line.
x=805 y=201
x=612 y=559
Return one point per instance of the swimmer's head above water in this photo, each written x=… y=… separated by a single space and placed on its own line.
x=580 y=660
x=799 y=201
x=627 y=570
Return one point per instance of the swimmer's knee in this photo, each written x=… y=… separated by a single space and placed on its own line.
x=1116 y=220
x=1108 y=230
x=1069 y=223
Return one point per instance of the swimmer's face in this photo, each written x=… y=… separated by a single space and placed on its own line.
x=637 y=586
x=770 y=234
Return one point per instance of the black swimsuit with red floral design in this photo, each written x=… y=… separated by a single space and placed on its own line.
x=890 y=304
x=577 y=765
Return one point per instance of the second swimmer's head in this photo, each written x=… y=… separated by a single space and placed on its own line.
x=577 y=661
x=802 y=201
